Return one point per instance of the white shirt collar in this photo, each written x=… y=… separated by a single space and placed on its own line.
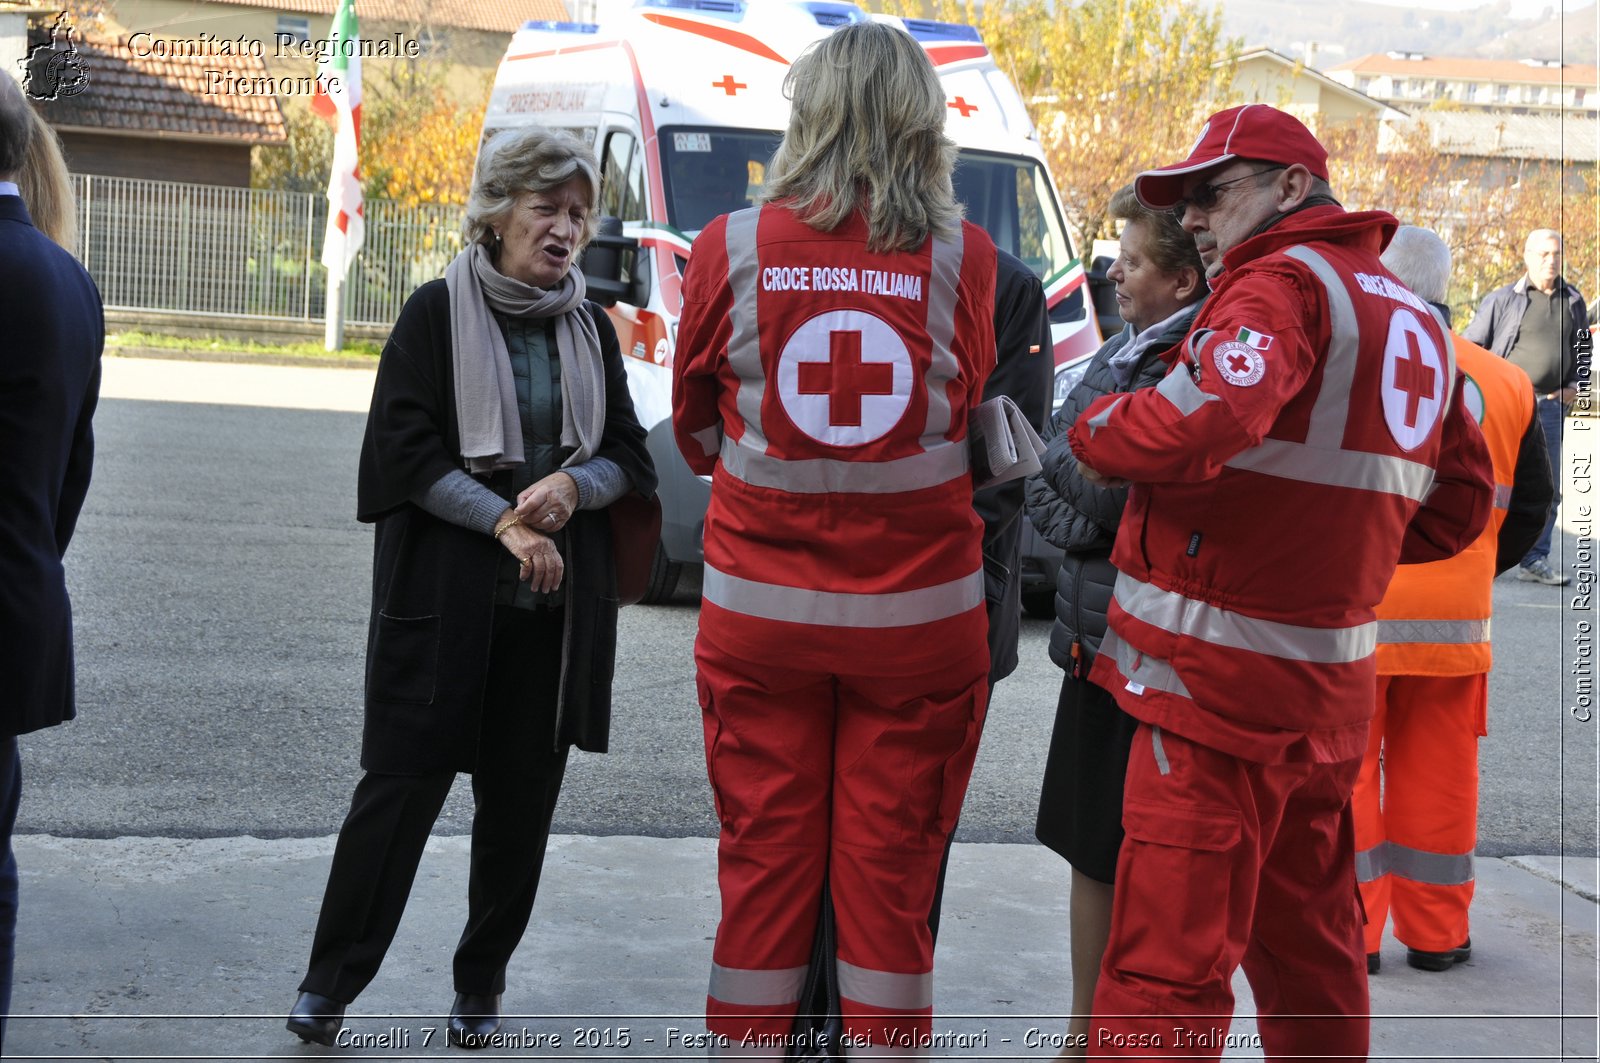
x=9 y=188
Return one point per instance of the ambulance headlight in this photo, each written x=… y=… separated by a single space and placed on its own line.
x=1068 y=374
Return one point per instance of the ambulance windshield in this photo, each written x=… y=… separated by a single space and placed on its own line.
x=708 y=172
x=712 y=171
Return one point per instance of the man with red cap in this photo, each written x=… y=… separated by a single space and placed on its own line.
x=1309 y=436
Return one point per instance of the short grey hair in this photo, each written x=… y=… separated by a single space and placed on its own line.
x=1541 y=234
x=16 y=126
x=527 y=159
x=1421 y=260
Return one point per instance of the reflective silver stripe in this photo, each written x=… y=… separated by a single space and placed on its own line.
x=1436 y=869
x=811 y=476
x=1163 y=765
x=945 y=274
x=885 y=989
x=1372 y=864
x=835 y=609
x=1502 y=496
x=744 y=342
x=1328 y=416
x=1172 y=612
x=1098 y=421
x=734 y=985
x=1337 y=468
x=1179 y=388
x=1445 y=632
x=1196 y=341
x=709 y=438
x=1152 y=673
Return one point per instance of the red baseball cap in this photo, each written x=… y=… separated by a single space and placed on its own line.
x=1254 y=131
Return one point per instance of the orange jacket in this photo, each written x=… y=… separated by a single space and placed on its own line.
x=1434 y=619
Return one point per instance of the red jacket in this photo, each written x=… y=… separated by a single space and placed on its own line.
x=826 y=389
x=1309 y=437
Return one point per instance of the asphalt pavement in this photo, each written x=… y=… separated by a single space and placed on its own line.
x=162 y=948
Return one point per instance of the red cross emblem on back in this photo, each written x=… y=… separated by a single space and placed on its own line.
x=960 y=103
x=728 y=85
x=1413 y=376
x=845 y=378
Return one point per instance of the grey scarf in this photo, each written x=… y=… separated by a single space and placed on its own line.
x=486 y=395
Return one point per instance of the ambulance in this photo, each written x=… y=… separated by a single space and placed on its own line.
x=682 y=101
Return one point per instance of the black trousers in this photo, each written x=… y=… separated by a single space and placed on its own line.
x=515 y=784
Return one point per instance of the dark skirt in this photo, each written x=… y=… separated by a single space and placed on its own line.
x=1080 y=801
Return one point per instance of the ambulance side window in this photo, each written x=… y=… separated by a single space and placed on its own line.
x=622 y=178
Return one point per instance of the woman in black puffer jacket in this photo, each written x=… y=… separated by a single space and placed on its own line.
x=1160 y=285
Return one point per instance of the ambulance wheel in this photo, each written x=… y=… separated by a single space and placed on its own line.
x=663 y=578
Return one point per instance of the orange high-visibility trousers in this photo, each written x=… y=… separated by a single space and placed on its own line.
x=1414 y=847
x=861 y=777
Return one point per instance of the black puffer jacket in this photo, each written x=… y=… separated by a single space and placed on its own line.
x=1081 y=518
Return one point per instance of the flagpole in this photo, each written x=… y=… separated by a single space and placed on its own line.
x=338 y=98
x=333 y=323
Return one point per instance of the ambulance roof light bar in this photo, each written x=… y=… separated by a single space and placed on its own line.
x=552 y=26
x=732 y=10
x=929 y=31
x=834 y=15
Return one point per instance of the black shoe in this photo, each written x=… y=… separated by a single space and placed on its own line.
x=1374 y=961
x=316 y=1019
x=1439 y=961
x=474 y=1020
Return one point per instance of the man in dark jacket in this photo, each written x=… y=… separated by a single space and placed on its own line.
x=49 y=382
x=1537 y=324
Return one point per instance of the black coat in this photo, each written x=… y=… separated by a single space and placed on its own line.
x=433 y=582
x=49 y=384
x=1022 y=372
x=1080 y=517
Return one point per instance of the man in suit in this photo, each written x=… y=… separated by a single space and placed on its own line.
x=49 y=383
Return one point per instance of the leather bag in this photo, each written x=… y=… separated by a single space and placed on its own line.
x=635 y=533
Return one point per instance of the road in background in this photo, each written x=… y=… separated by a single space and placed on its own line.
x=220 y=586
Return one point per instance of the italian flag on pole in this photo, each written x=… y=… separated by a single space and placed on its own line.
x=338 y=99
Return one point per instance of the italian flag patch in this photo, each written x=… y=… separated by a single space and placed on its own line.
x=1255 y=339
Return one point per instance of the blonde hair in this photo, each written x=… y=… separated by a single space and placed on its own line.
x=529 y=159
x=46 y=187
x=866 y=130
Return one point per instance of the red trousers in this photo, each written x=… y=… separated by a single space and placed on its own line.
x=860 y=777
x=1414 y=846
x=1226 y=861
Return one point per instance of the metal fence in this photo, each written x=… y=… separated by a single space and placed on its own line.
x=245 y=252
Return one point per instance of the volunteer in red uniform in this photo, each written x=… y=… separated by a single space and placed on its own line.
x=831 y=345
x=1309 y=436
x=1414 y=848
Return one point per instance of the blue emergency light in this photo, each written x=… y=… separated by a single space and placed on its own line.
x=928 y=30
x=732 y=10
x=835 y=15
x=551 y=26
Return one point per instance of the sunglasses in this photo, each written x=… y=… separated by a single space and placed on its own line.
x=1205 y=196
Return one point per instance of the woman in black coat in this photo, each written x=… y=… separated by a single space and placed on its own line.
x=1160 y=285
x=501 y=428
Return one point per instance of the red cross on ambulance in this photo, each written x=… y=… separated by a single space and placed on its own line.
x=844 y=378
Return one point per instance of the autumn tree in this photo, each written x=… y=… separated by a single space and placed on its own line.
x=1482 y=208
x=1113 y=86
x=418 y=141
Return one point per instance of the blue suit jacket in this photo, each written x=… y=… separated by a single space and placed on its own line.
x=51 y=334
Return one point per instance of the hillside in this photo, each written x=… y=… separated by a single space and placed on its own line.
x=1349 y=29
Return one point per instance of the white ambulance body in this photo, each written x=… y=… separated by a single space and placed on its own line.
x=683 y=102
